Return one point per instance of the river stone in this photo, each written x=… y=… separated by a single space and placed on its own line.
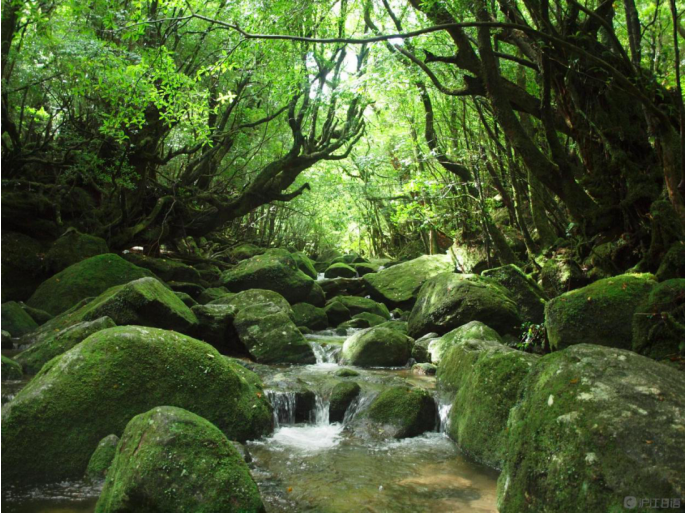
x=400 y=326
x=449 y=300
x=102 y=458
x=16 y=320
x=213 y=293
x=53 y=425
x=401 y=412
x=364 y=268
x=353 y=323
x=341 y=398
x=370 y=318
x=340 y=270
x=600 y=313
x=216 y=327
x=193 y=290
x=252 y=297
x=470 y=258
x=594 y=425
x=37 y=355
x=424 y=369
x=483 y=378
x=528 y=295
x=658 y=323
x=245 y=251
x=305 y=264
x=270 y=336
x=73 y=247
x=40 y=316
x=399 y=285
x=11 y=370
x=88 y=278
x=377 y=347
x=172 y=460
x=561 y=274
x=342 y=287
x=165 y=268
x=475 y=330
x=310 y=316
x=337 y=313
x=358 y=305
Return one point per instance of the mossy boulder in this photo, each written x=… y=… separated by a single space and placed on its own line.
x=348 y=258
x=310 y=316
x=37 y=355
x=216 y=327
x=172 y=460
x=402 y=412
x=340 y=270
x=342 y=287
x=365 y=268
x=357 y=305
x=473 y=330
x=594 y=425
x=191 y=289
x=484 y=377
x=658 y=325
x=11 y=370
x=40 y=316
x=399 y=285
x=342 y=395
x=270 y=336
x=470 y=258
x=337 y=313
x=102 y=458
x=246 y=251
x=449 y=300
x=304 y=263
x=673 y=263
x=53 y=425
x=377 y=347
x=353 y=323
x=400 y=326
x=370 y=318
x=71 y=248
x=15 y=320
x=186 y=299
x=274 y=270
x=22 y=266
x=88 y=278
x=212 y=293
x=561 y=274
x=424 y=369
x=600 y=313
x=165 y=268
x=528 y=295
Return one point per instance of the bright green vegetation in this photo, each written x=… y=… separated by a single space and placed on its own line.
x=377 y=347
x=73 y=247
x=473 y=330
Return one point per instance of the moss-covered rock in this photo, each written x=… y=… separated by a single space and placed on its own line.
x=594 y=425
x=528 y=295
x=216 y=327
x=470 y=258
x=340 y=399
x=400 y=326
x=377 y=347
x=365 y=268
x=212 y=293
x=186 y=299
x=449 y=300
x=337 y=313
x=342 y=287
x=561 y=274
x=399 y=285
x=22 y=266
x=357 y=305
x=40 y=316
x=172 y=460
x=71 y=248
x=348 y=258
x=245 y=251
x=102 y=458
x=370 y=318
x=484 y=377
x=474 y=330
x=88 y=278
x=340 y=270
x=15 y=320
x=53 y=425
x=310 y=316
x=673 y=263
x=424 y=369
x=270 y=336
x=304 y=263
x=191 y=289
x=165 y=268
x=658 y=325
x=275 y=270
x=346 y=373
x=37 y=355
x=402 y=412
x=11 y=370
x=353 y=323
x=600 y=313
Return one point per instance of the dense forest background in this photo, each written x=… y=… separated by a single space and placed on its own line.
x=513 y=131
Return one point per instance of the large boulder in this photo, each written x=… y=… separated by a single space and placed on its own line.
x=88 y=278
x=399 y=285
x=482 y=377
x=252 y=297
x=11 y=370
x=71 y=248
x=342 y=287
x=449 y=300
x=561 y=274
x=470 y=258
x=274 y=270
x=658 y=325
x=37 y=355
x=377 y=347
x=212 y=293
x=401 y=412
x=600 y=313
x=593 y=426
x=473 y=330
x=528 y=295
x=22 y=264
x=53 y=425
x=304 y=263
x=270 y=336
x=340 y=270
x=102 y=458
x=165 y=268
x=15 y=320
x=337 y=313
x=172 y=460
x=357 y=305
x=216 y=327
x=310 y=316
x=245 y=251
x=343 y=394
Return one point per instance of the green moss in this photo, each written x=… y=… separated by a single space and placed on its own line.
x=37 y=355
x=88 y=278
x=71 y=248
x=400 y=326
x=216 y=327
x=305 y=264
x=310 y=316
x=337 y=313
x=673 y=263
x=363 y=268
x=341 y=397
x=102 y=457
x=11 y=370
x=403 y=412
x=186 y=299
x=474 y=330
x=357 y=305
x=15 y=320
x=53 y=425
x=424 y=369
x=40 y=316
x=165 y=268
x=370 y=318
x=340 y=270
x=561 y=274
x=377 y=347
x=245 y=251
x=213 y=293
x=528 y=296
x=600 y=313
x=346 y=373
x=172 y=460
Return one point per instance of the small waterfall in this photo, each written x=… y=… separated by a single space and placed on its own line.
x=320 y=415
x=320 y=276
x=443 y=414
x=283 y=407
x=325 y=353
x=357 y=405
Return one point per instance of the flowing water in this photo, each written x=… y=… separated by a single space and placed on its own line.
x=310 y=464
